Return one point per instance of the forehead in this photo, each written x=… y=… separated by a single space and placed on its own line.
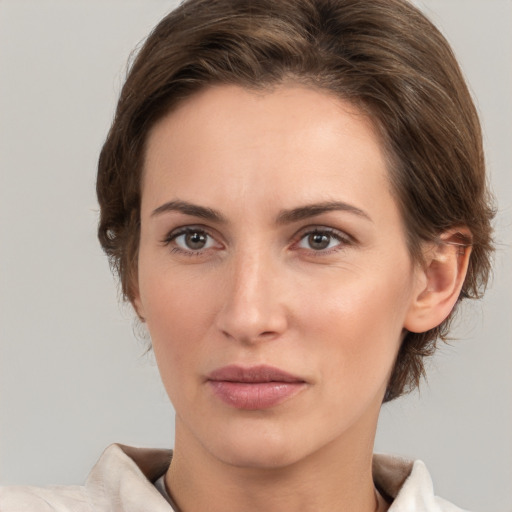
x=293 y=144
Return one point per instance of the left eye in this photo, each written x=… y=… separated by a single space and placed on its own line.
x=194 y=240
x=319 y=240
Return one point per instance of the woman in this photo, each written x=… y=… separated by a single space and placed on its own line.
x=293 y=195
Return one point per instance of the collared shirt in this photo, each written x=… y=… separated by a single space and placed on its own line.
x=123 y=480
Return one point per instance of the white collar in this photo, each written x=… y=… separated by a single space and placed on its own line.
x=126 y=475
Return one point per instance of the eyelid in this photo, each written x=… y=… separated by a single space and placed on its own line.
x=183 y=230
x=322 y=228
x=344 y=238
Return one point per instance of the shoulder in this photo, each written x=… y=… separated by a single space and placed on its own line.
x=409 y=485
x=122 y=475
x=44 y=499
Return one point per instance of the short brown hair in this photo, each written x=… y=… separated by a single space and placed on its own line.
x=384 y=56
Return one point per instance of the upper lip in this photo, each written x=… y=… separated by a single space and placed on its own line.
x=252 y=374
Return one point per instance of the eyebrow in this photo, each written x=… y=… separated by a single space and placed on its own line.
x=189 y=209
x=312 y=210
x=284 y=217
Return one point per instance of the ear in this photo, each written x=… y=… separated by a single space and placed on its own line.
x=439 y=280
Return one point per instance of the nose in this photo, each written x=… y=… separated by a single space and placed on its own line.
x=254 y=308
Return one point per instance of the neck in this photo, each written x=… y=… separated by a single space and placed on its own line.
x=335 y=478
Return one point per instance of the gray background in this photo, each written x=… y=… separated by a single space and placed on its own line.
x=72 y=376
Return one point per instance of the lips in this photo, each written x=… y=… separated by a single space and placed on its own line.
x=257 y=387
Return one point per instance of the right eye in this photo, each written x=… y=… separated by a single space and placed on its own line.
x=190 y=240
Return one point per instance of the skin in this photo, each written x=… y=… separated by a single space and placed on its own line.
x=263 y=291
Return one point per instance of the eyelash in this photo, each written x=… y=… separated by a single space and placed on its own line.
x=343 y=239
x=187 y=230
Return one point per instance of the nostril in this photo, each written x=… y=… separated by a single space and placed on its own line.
x=245 y=336
x=264 y=334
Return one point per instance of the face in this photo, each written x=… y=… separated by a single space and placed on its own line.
x=273 y=273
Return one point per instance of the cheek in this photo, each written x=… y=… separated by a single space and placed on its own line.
x=173 y=299
x=358 y=326
x=177 y=313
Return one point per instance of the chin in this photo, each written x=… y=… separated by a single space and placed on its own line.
x=259 y=447
x=258 y=456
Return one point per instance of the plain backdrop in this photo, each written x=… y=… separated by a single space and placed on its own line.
x=74 y=378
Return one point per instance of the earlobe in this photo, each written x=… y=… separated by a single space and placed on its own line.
x=439 y=281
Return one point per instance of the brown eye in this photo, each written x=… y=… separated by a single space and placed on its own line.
x=195 y=240
x=191 y=240
x=326 y=239
x=319 y=241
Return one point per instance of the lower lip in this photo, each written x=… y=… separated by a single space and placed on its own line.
x=255 y=395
